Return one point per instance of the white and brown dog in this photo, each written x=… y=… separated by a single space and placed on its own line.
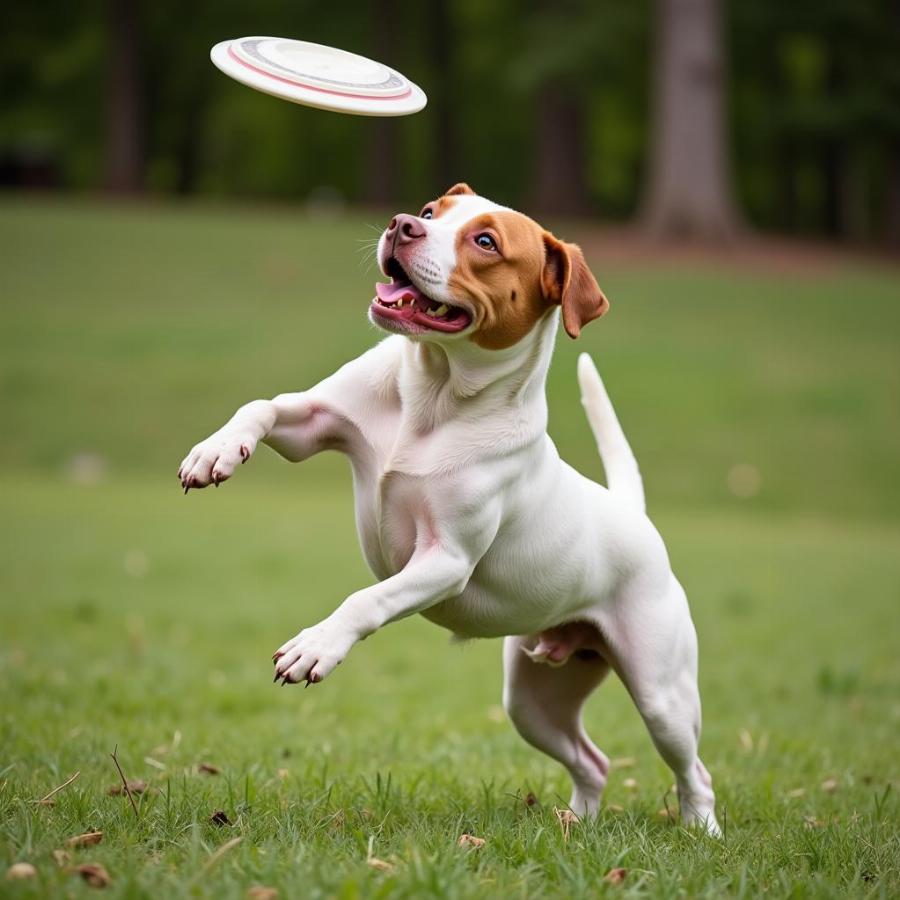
x=465 y=511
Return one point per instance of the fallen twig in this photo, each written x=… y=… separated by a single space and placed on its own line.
x=56 y=790
x=115 y=759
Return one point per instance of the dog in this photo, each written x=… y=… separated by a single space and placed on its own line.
x=465 y=511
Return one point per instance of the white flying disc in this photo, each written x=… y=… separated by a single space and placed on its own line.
x=315 y=75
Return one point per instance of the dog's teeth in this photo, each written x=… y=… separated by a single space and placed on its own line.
x=441 y=310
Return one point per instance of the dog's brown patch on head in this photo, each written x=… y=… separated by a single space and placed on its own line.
x=503 y=287
x=512 y=289
x=460 y=188
x=447 y=200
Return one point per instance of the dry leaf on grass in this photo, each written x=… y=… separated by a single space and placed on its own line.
x=470 y=841
x=666 y=813
x=88 y=839
x=136 y=786
x=796 y=792
x=630 y=783
x=282 y=773
x=531 y=799
x=746 y=740
x=615 y=876
x=95 y=875
x=220 y=818
x=380 y=864
x=830 y=785
x=623 y=762
x=615 y=808
x=20 y=871
x=566 y=819
x=259 y=892
x=61 y=857
x=208 y=769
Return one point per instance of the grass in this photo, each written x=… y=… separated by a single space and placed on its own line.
x=133 y=616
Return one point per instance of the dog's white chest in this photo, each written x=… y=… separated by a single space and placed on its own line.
x=401 y=508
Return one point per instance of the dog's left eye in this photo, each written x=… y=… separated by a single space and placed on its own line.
x=427 y=213
x=486 y=242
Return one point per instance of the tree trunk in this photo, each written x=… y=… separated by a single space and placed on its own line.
x=124 y=150
x=560 y=185
x=690 y=192
x=382 y=158
x=446 y=152
x=187 y=149
x=892 y=198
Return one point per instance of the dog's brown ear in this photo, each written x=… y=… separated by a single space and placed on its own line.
x=461 y=188
x=567 y=280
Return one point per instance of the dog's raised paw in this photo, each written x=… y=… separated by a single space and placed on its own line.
x=312 y=655
x=214 y=460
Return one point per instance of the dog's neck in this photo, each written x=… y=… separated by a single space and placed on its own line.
x=441 y=382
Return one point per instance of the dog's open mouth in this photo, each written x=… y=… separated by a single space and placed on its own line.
x=402 y=303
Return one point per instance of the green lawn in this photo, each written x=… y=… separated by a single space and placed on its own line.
x=137 y=617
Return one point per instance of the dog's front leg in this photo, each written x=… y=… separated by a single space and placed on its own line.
x=294 y=425
x=428 y=578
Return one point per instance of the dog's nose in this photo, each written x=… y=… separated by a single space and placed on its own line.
x=404 y=229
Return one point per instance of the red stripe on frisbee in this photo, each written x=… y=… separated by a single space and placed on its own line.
x=309 y=87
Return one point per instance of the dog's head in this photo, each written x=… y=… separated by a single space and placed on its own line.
x=467 y=268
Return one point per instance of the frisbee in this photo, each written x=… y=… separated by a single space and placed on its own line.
x=319 y=76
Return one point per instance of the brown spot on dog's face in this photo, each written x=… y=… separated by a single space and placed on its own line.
x=434 y=209
x=460 y=188
x=511 y=272
x=499 y=259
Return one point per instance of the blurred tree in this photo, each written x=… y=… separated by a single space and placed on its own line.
x=567 y=55
x=538 y=103
x=560 y=112
x=816 y=112
x=442 y=39
x=560 y=176
x=384 y=151
x=689 y=183
x=125 y=146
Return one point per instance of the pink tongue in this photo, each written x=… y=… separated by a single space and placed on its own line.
x=392 y=293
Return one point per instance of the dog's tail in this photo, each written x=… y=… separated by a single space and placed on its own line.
x=621 y=467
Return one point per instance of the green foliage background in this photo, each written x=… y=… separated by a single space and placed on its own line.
x=813 y=88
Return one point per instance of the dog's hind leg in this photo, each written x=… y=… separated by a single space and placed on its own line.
x=652 y=646
x=544 y=703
